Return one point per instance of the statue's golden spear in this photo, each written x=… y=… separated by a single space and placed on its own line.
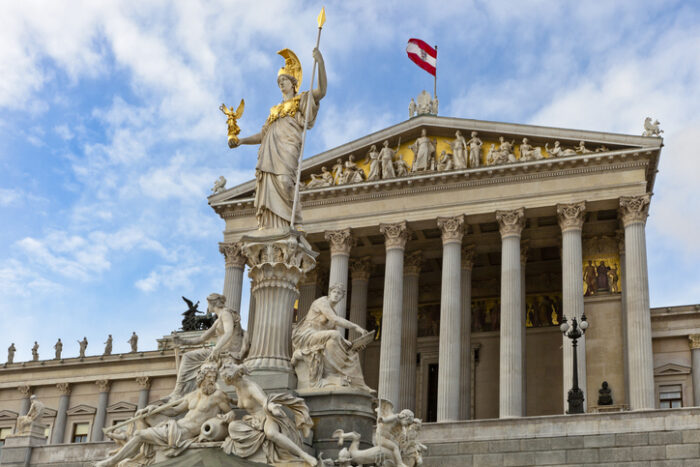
x=295 y=205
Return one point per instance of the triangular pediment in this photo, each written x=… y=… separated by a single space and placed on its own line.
x=121 y=407
x=671 y=369
x=48 y=413
x=81 y=409
x=441 y=130
x=7 y=415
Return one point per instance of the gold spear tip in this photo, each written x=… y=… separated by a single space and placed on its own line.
x=322 y=17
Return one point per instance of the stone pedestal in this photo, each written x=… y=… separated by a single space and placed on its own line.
x=347 y=409
x=277 y=261
x=17 y=450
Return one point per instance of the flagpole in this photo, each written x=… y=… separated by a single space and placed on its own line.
x=435 y=76
x=295 y=204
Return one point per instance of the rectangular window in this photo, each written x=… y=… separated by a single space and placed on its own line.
x=80 y=433
x=4 y=432
x=670 y=396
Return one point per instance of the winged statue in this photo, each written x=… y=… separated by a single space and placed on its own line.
x=233 y=116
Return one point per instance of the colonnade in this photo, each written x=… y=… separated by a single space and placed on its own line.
x=400 y=305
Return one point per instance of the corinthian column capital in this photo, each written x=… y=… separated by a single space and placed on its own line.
x=63 y=388
x=571 y=215
x=341 y=241
x=511 y=222
x=233 y=254
x=361 y=268
x=412 y=263
x=634 y=209
x=25 y=390
x=694 y=341
x=395 y=235
x=468 y=254
x=144 y=382
x=452 y=229
x=103 y=384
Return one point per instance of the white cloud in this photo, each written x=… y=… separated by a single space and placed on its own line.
x=9 y=196
x=169 y=277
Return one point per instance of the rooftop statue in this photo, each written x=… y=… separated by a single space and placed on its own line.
x=219 y=185
x=173 y=435
x=652 y=129
x=424 y=150
x=193 y=321
x=375 y=172
x=325 y=178
x=280 y=143
x=134 y=342
x=386 y=156
x=474 y=144
x=412 y=108
x=108 y=346
x=529 y=152
x=83 y=346
x=322 y=357
x=58 y=346
x=35 y=351
x=11 y=353
x=459 y=149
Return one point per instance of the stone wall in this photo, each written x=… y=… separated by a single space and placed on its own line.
x=649 y=438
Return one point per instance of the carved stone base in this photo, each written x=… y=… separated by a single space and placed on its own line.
x=17 y=450
x=277 y=260
x=204 y=457
x=348 y=409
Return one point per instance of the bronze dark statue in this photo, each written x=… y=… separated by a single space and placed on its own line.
x=605 y=395
x=193 y=321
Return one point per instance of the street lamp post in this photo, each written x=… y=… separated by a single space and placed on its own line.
x=574 y=332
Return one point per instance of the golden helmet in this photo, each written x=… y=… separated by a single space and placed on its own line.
x=292 y=67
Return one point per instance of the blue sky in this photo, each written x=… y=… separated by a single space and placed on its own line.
x=111 y=137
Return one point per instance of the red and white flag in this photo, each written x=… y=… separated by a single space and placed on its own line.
x=422 y=55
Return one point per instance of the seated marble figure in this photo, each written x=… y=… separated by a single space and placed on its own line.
x=322 y=357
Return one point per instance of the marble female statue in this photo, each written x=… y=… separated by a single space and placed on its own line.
x=83 y=346
x=322 y=356
x=280 y=143
x=474 y=144
x=386 y=155
x=445 y=162
x=108 y=346
x=423 y=148
x=36 y=409
x=374 y=164
x=400 y=167
x=35 y=352
x=459 y=151
x=134 y=342
x=338 y=172
x=555 y=151
x=352 y=173
x=266 y=430
x=582 y=149
x=529 y=152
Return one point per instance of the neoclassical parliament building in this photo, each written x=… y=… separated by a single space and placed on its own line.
x=466 y=267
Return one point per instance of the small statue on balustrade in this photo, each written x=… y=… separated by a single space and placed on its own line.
x=412 y=108
x=445 y=162
x=35 y=352
x=581 y=148
x=400 y=167
x=325 y=178
x=529 y=152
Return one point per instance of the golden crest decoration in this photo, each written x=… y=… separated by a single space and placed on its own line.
x=292 y=66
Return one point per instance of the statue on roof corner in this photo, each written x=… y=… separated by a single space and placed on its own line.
x=280 y=143
x=652 y=129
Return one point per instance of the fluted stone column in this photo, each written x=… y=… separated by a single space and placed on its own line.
x=694 y=341
x=277 y=263
x=524 y=249
x=511 y=224
x=395 y=237
x=623 y=306
x=26 y=392
x=307 y=292
x=251 y=314
x=101 y=413
x=465 y=367
x=634 y=210
x=409 y=332
x=571 y=217
x=144 y=383
x=341 y=243
x=360 y=270
x=452 y=229
x=59 y=426
x=233 y=280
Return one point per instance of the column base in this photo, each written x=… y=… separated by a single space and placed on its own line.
x=274 y=380
x=345 y=409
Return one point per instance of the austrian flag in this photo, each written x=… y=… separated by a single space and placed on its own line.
x=422 y=55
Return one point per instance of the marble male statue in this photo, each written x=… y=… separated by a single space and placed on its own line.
x=35 y=352
x=231 y=342
x=134 y=342
x=175 y=435
x=83 y=346
x=280 y=143
x=266 y=427
x=24 y=423
x=11 y=353
x=58 y=347
x=322 y=356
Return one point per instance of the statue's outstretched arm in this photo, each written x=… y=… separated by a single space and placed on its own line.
x=252 y=139
x=320 y=92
